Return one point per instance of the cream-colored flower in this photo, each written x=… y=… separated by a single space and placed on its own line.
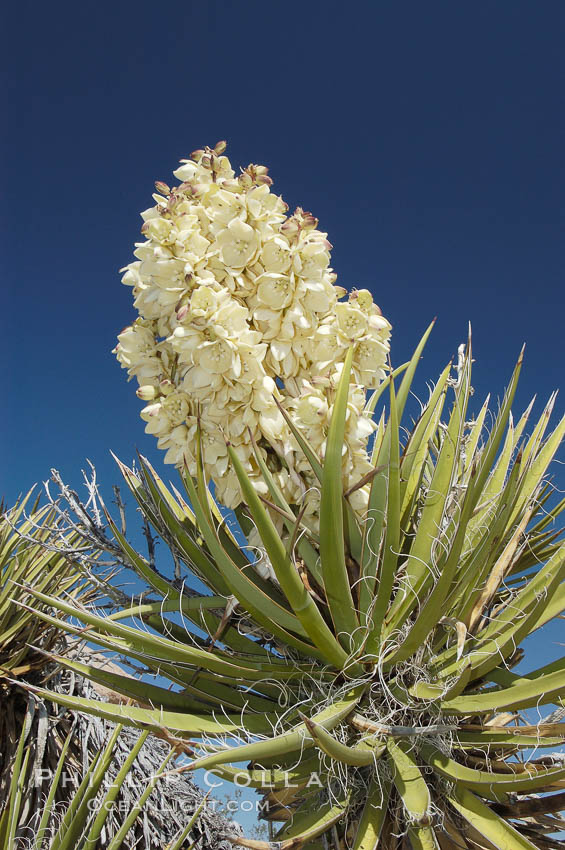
x=379 y=325
x=327 y=345
x=237 y=244
x=252 y=370
x=231 y=321
x=217 y=357
x=135 y=342
x=203 y=302
x=186 y=172
x=275 y=255
x=352 y=323
x=362 y=299
x=271 y=422
x=159 y=229
x=262 y=205
x=313 y=258
x=275 y=291
x=223 y=207
x=317 y=296
x=174 y=443
x=164 y=415
x=370 y=358
x=312 y=410
x=214 y=449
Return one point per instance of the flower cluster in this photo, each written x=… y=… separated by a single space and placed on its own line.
x=239 y=315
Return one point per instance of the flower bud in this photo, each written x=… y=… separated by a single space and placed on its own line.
x=182 y=313
x=309 y=221
x=166 y=386
x=361 y=298
x=312 y=409
x=289 y=227
x=152 y=409
x=186 y=172
x=196 y=155
x=146 y=393
x=220 y=147
x=206 y=161
x=162 y=187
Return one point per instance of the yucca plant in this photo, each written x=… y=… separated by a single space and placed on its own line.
x=71 y=781
x=368 y=685
x=102 y=812
x=24 y=638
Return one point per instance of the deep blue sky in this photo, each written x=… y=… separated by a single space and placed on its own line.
x=427 y=137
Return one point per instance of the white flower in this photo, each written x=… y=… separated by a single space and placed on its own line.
x=186 y=172
x=275 y=290
x=271 y=422
x=159 y=229
x=165 y=414
x=275 y=254
x=352 y=323
x=214 y=450
x=231 y=321
x=203 y=302
x=362 y=299
x=224 y=206
x=217 y=357
x=313 y=258
x=312 y=409
x=326 y=345
x=369 y=360
x=318 y=296
x=237 y=244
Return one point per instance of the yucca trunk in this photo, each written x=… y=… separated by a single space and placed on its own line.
x=370 y=681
